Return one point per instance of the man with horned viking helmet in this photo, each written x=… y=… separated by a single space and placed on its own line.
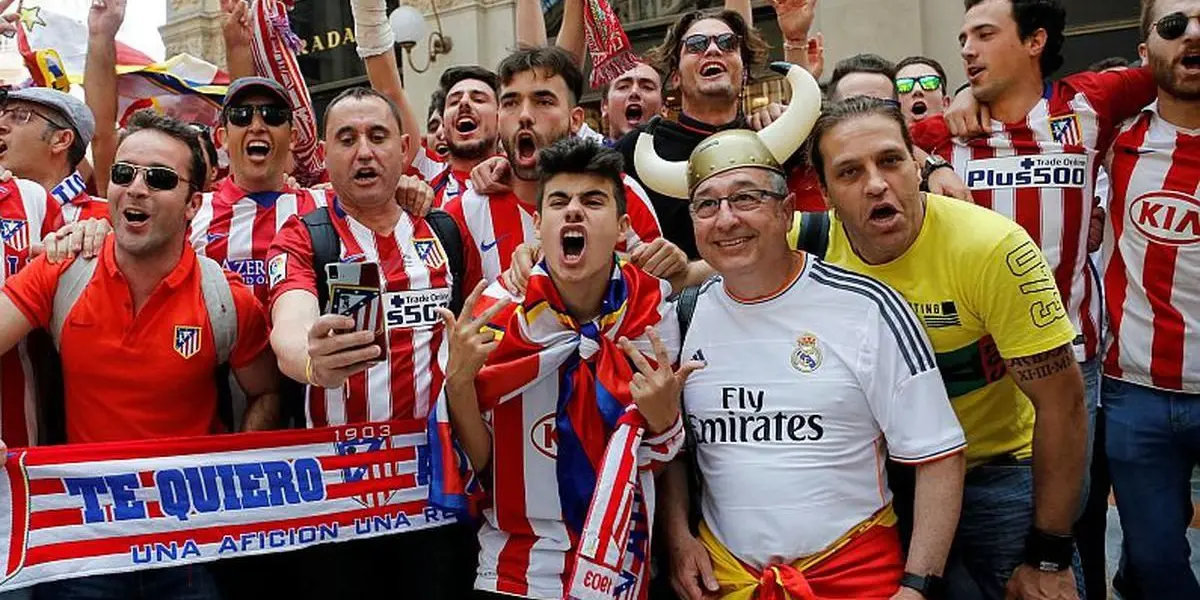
x=794 y=501
x=1000 y=335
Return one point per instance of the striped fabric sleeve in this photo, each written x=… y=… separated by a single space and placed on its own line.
x=658 y=450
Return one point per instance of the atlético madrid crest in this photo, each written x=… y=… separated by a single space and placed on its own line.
x=187 y=340
x=373 y=477
x=430 y=252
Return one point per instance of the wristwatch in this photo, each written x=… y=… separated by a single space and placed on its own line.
x=931 y=587
x=933 y=162
x=1049 y=552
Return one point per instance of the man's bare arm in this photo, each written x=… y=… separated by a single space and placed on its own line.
x=235 y=29
x=935 y=513
x=1054 y=384
x=13 y=324
x=292 y=316
x=100 y=84
x=260 y=381
x=375 y=47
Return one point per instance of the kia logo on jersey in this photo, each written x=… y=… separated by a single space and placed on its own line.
x=545 y=437
x=1167 y=217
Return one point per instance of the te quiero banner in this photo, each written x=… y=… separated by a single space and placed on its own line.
x=86 y=509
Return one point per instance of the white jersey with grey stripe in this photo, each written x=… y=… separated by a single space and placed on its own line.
x=804 y=395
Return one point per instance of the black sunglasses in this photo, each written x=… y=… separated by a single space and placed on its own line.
x=697 y=43
x=1173 y=25
x=158 y=178
x=272 y=115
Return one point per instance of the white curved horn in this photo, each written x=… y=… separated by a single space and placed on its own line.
x=666 y=177
x=786 y=134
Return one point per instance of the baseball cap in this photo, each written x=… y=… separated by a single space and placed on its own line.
x=248 y=85
x=69 y=108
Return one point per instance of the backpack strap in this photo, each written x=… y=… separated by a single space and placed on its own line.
x=446 y=229
x=326 y=247
x=218 y=300
x=813 y=236
x=685 y=307
x=71 y=283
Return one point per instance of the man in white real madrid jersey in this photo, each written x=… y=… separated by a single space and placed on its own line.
x=791 y=444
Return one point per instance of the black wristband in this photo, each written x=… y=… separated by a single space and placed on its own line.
x=1048 y=551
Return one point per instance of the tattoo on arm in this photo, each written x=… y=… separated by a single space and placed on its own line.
x=1041 y=365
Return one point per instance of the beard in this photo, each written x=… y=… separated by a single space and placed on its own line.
x=1164 y=69
x=472 y=150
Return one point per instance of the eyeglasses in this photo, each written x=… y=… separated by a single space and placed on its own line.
x=159 y=178
x=928 y=83
x=1172 y=26
x=744 y=201
x=22 y=115
x=698 y=43
x=272 y=115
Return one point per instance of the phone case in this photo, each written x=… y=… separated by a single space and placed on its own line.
x=356 y=290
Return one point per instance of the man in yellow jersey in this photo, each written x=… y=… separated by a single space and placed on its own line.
x=1000 y=334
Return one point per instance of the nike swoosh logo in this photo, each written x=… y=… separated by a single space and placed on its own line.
x=486 y=246
x=212 y=237
x=1139 y=151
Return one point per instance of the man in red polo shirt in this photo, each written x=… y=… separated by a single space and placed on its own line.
x=143 y=310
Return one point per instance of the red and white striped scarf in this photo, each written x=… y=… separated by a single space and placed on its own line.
x=274 y=48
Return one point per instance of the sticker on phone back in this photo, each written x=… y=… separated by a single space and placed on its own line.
x=415 y=309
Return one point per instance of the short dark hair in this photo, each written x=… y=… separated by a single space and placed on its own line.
x=364 y=93
x=204 y=136
x=1112 y=62
x=665 y=56
x=551 y=59
x=453 y=75
x=1032 y=15
x=924 y=60
x=580 y=155
x=437 y=104
x=150 y=120
x=604 y=89
x=862 y=63
x=836 y=113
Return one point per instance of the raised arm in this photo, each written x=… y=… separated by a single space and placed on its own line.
x=375 y=46
x=742 y=7
x=100 y=84
x=531 y=23
x=235 y=28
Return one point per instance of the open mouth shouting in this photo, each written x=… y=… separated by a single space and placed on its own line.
x=573 y=239
x=884 y=216
x=258 y=150
x=135 y=219
x=919 y=108
x=634 y=113
x=3 y=149
x=365 y=176
x=1190 y=61
x=526 y=149
x=712 y=69
x=466 y=125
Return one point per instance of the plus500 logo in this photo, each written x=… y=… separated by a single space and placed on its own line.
x=1055 y=170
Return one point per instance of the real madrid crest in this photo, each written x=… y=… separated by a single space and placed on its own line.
x=807 y=355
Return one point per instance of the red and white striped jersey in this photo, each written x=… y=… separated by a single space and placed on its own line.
x=1040 y=172
x=448 y=185
x=75 y=203
x=235 y=228
x=1152 y=255
x=493 y=227
x=427 y=165
x=416 y=273
x=27 y=214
